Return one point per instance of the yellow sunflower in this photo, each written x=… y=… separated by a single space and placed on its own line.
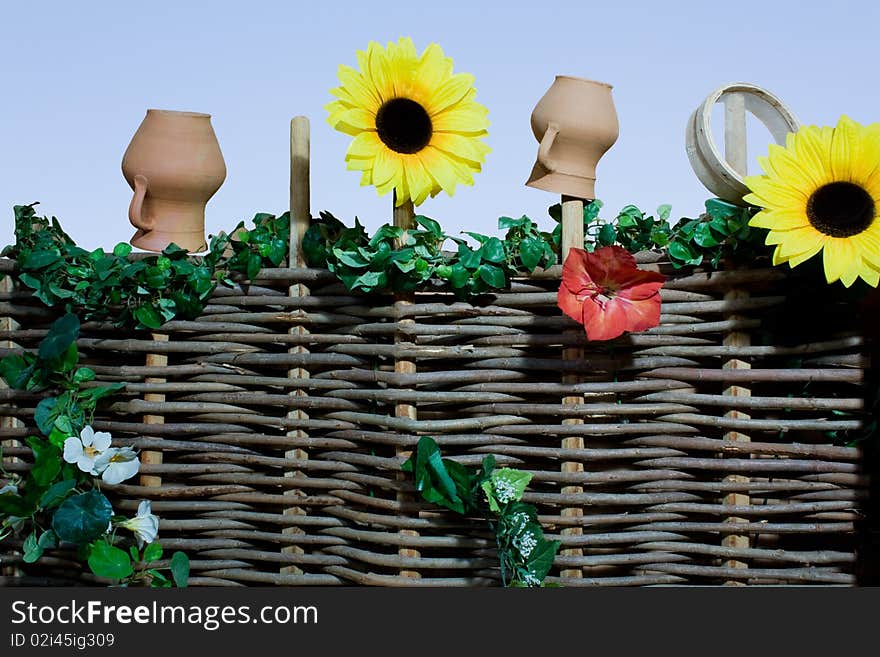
x=821 y=192
x=415 y=124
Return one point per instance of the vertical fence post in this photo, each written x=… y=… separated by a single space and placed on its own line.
x=154 y=457
x=736 y=155
x=404 y=217
x=300 y=217
x=572 y=237
x=8 y=325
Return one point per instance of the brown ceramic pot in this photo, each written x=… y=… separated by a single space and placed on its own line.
x=575 y=124
x=174 y=165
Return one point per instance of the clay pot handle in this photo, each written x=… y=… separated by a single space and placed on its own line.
x=136 y=209
x=546 y=143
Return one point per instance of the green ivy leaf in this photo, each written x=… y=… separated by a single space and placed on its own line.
x=56 y=493
x=12 y=504
x=90 y=396
x=109 y=561
x=48 y=540
x=351 y=258
x=508 y=222
x=531 y=251
x=153 y=552
x=31 y=549
x=703 y=236
x=468 y=257
x=40 y=259
x=158 y=580
x=459 y=276
x=607 y=235
x=432 y=479
x=47 y=461
x=718 y=208
x=82 y=518
x=83 y=375
x=15 y=370
x=148 y=317
x=681 y=252
x=180 y=569
x=493 y=276
x=663 y=211
x=122 y=250
x=541 y=558
x=45 y=414
x=493 y=250
x=62 y=334
x=430 y=225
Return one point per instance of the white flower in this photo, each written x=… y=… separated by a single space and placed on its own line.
x=504 y=491
x=525 y=544
x=530 y=580
x=118 y=464
x=9 y=488
x=145 y=525
x=87 y=449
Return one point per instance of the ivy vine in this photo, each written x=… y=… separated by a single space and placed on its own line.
x=144 y=292
x=397 y=260
x=525 y=556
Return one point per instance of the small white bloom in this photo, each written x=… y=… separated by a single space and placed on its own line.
x=145 y=525
x=504 y=491
x=530 y=580
x=9 y=488
x=118 y=464
x=87 y=449
x=525 y=543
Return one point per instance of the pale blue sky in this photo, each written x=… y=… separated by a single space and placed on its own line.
x=77 y=79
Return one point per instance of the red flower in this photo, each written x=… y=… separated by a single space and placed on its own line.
x=607 y=293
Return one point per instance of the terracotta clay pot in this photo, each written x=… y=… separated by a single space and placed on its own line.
x=174 y=165
x=575 y=124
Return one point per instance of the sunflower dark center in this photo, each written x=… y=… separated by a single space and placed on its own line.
x=403 y=125
x=841 y=209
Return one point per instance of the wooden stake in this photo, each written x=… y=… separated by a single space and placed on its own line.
x=404 y=218
x=300 y=217
x=149 y=456
x=572 y=237
x=7 y=421
x=735 y=152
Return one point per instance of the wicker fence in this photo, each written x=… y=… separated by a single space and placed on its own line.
x=707 y=450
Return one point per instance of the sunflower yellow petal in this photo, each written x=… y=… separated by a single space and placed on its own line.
x=359 y=88
x=870 y=274
x=440 y=169
x=450 y=93
x=779 y=220
x=352 y=121
x=470 y=150
x=378 y=73
x=794 y=261
x=836 y=257
x=432 y=70
x=387 y=168
x=794 y=242
x=417 y=179
x=467 y=119
x=366 y=144
x=867 y=243
x=781 y=164
x=845 y=148
x=770 y=193
x=812 y=149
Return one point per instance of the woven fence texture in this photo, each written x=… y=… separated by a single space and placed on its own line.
x=707 y=450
